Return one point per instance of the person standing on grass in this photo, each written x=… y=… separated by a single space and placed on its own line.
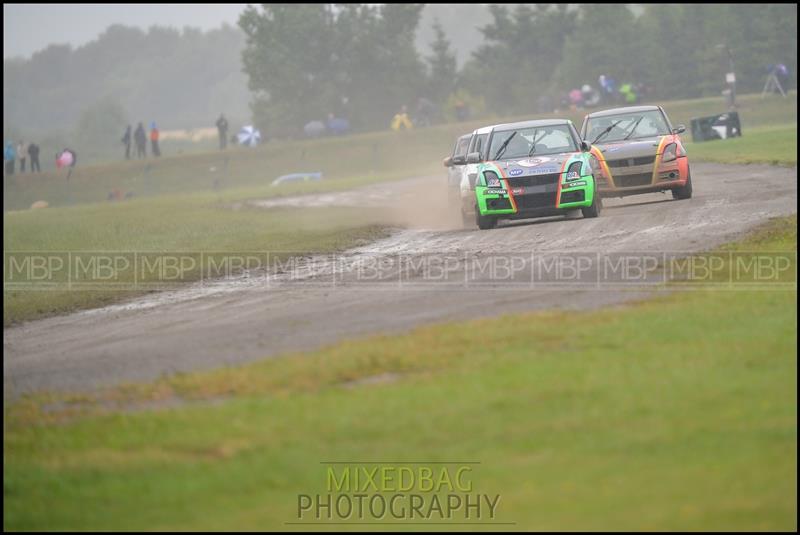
x=126 y=140
x=9 y=154
x=21 y=155
x=141 y=141
x=222 y=129
x=154 y=139
x=33 y=152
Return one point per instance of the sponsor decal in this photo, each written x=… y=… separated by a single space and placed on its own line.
x=515 y=172
x=575 y=184
x=518 y=191
x=495 y=191
x=543 y=171
x=572 y=175
x=534 y=162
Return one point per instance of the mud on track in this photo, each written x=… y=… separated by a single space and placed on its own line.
x=324 y=299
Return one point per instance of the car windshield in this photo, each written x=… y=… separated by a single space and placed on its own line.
x=628 y=126
x=552 y=139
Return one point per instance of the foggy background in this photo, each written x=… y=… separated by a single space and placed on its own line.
x=79 y=74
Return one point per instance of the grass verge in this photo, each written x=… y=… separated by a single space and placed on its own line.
x=775 y=145
x=678 y=413
x=183 y=226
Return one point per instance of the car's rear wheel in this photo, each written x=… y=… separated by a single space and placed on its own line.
x=485 y=222
x=597 y=205
x=685 y=191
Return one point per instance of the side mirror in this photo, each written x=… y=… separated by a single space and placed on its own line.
x=458 y=160
x=586 y=146
x=474 y=157
x=680 y=129
x=447 y=162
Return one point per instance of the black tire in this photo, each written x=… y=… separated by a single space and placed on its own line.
x=467 y=220
x=685 y=191
x=485 y=222
x=596 y=206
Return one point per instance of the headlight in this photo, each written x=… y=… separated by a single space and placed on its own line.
x=574 y=170
x=670 y=152
x=492 y=180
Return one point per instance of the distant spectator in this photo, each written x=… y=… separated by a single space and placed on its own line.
x=67 y=157
x=628 y=93
x=781 y=72
x=576 y=99
x=33 y=152
x=154 y=139
x=22 y=153
x=608 y=89
x=9 y=155
x=222 y=129
x=591 y=97
x=462 y=110
x=74 y=155
x=401 y=120
x=126 y=140
x=141 y=141
x=337 y=125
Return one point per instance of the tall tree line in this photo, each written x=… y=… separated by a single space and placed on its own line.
x=176 y=78
x=288 y=64
x=305 y=62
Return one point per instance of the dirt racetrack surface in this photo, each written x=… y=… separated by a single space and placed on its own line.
x=429 y=270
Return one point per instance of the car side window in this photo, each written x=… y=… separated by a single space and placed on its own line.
x=479 y=143
x=461 y=147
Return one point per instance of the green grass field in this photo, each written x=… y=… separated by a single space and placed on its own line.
x=775 y=145
x=678 y=413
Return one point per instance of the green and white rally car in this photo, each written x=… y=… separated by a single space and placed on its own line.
x=534 y=169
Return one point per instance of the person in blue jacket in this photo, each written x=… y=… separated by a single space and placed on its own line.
x=10 y=155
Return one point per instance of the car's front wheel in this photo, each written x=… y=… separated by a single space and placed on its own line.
x=485 y=222
x=685 y=191
x=594 y=209
x=467 y=220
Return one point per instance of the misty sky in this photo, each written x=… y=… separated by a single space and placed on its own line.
x=28 y=28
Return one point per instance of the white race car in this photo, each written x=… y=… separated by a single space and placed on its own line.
x=461 y=175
